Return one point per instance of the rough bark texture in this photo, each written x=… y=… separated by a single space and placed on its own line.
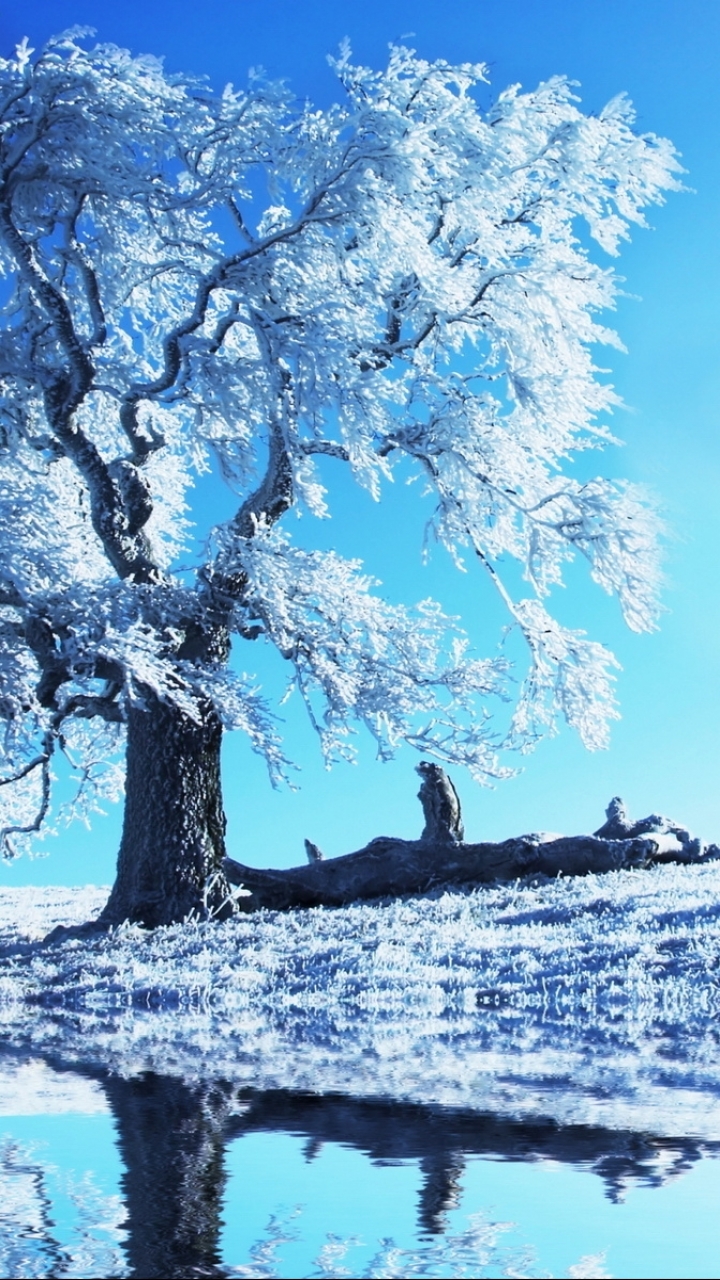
x=171 y=856
x=441 y=806
x=388 y=867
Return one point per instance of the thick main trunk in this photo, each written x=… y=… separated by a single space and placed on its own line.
x=170 y=863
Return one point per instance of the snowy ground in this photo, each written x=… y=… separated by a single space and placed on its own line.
x=592 y=1000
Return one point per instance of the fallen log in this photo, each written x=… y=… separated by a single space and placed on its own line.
x=390 y=867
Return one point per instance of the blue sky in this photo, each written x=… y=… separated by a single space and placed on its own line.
x=665 y=750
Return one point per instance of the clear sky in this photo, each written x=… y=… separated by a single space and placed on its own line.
x=665 y=750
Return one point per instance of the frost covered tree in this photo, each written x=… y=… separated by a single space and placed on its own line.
x=249 y=282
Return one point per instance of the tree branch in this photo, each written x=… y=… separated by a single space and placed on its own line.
x=63 y=392
x=86 y=706
x=71 y=250
x=327 y=447
x=23 y=773
x=268 y=502
x=43 y=762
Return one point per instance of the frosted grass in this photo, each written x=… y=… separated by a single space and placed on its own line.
x=593 y=1000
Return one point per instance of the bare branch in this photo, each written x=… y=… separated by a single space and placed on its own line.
x=23 y=773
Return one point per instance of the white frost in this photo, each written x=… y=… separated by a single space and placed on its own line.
x=593 y=1000
x=415 y=298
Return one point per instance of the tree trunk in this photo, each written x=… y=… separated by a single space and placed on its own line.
x=170 y=863
x=387 y=868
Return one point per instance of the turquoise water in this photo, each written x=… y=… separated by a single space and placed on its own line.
x=109 y=1177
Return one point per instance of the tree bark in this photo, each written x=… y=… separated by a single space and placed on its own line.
x=388 y=867
x=170 y=863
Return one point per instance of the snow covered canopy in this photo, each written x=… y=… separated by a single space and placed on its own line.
x=401 y=278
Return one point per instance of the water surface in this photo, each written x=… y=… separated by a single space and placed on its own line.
x=153 y=1175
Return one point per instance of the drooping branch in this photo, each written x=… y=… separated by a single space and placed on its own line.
x=25 y=772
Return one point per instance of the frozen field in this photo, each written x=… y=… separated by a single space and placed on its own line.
x=591 y=1000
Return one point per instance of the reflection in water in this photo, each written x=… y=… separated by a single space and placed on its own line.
x=440 y=1139
x=30 y=1244
x=475 y=1252
x=29 y=1247
x=171 y=1138
x=173 y=1135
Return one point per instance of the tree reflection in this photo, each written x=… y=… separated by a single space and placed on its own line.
x=172 y=1138
x=173 y=1135
x=441 y=1138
